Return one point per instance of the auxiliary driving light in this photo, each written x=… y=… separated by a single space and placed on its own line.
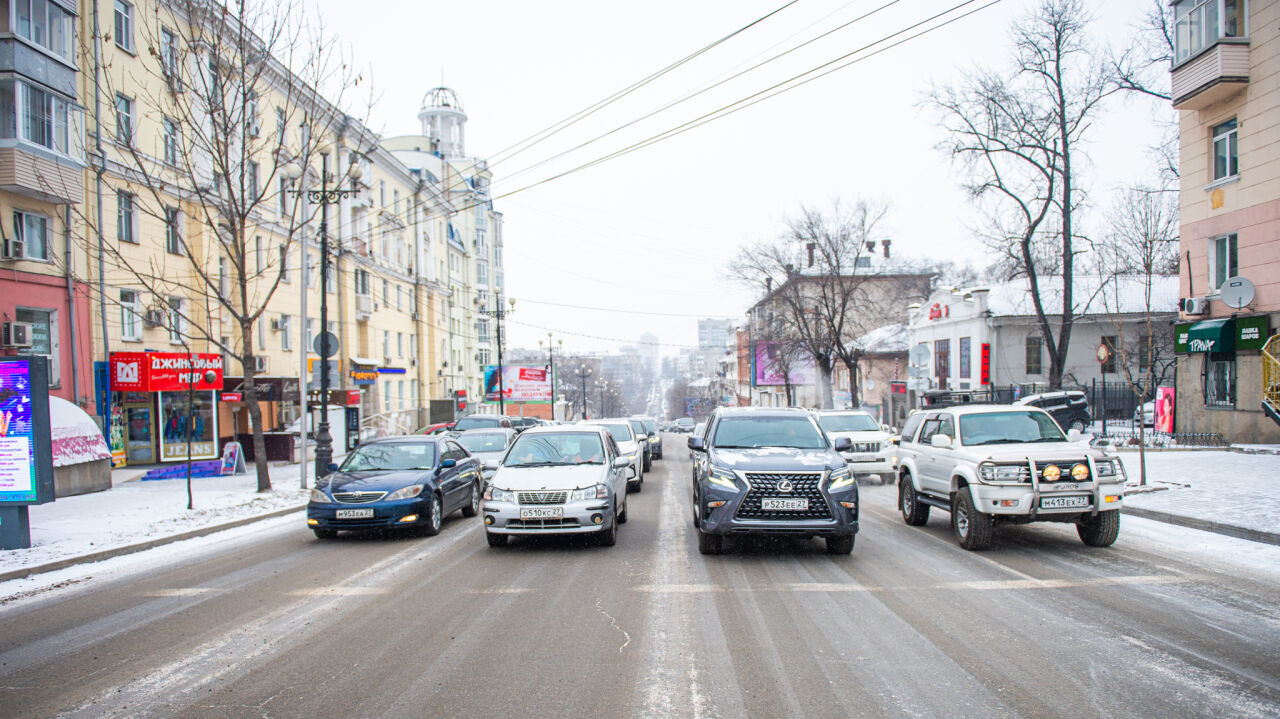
x=488 y=519
x=409 y=518
x=1080 y=472
x=313 y=522
x=597 y=519
x=1052 y=472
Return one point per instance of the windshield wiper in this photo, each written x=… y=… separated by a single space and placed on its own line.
x=737 y=446
x=1000 y=441
x=546 y=463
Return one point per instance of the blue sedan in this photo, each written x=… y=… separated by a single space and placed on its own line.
x=400 y=482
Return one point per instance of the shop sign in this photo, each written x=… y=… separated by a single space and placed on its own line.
x=1217 y=335
x=26 y=448
x=1252 y=333
x=232 y=397
x=186 y=418
x=986 y=363
x=353 y=397
x=897 y=387
x=939 y=311
x=165 y=371
x=364 y=376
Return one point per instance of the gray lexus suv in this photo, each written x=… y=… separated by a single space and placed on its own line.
x=772 y=471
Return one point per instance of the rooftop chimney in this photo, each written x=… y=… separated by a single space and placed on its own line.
x=768 y=284
x=811 y=247
x=885 y=245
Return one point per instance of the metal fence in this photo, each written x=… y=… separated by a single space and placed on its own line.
x=1117 y=400
x=1129 y=437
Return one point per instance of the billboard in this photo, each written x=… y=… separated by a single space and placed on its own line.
x=519 y=384
x=768 y=367
x=26 y=451
x=1165 y=403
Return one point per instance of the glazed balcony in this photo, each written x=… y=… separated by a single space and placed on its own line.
x=1214 y=75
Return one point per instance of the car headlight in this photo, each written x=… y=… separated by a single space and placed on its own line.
x=597 y=492
x=1002 y=472
x=321 y=497
x=409 y=492
x=723 y=478
x=1108 y=468
x=840 y=478
x=494 y=494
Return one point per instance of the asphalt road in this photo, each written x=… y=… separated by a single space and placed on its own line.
x=279 y=624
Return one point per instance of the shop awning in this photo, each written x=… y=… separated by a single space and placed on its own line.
x=365 y=361
x=1208 y=336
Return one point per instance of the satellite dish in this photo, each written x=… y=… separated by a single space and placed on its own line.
x=1236 y=292
x=919 y=354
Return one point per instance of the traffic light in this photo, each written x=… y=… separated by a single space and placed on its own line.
x=460 y=400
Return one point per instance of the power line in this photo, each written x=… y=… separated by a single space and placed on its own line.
x=609 y=309
x=598 y=337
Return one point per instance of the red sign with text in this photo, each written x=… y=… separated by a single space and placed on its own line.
x=165 y=371
x=986 y=363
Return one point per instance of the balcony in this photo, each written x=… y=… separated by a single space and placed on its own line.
x=38 y=175
x=364 y=307
x=1214 y=75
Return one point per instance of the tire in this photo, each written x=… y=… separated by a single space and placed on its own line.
x=658 y=455
x=710 y=543
x=1077 y=425
x=840 y=545
x=626 y=510
x=609 y=537
x=914 y=512
x=473 y=507
x=325 y=533
x=648 y=462
x=1100 y=531
x=497 y=540
x=435 y=519
x=971 y=527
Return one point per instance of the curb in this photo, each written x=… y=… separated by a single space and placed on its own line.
x=142 y=546
x=1253 y=535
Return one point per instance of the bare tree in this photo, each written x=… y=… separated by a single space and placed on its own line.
x=1142 y=68
x=223 y=98
x=1015 y=136
x=1141 y=248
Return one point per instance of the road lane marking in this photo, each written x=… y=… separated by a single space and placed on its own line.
x=337 y=592
x=503 y=590
x=182 y=592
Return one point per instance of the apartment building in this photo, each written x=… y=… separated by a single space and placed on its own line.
x=1225 y=71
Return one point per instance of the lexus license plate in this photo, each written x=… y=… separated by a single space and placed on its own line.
x=542 y=513
x=785 y=505
x=1063 y=502
x=366 y=513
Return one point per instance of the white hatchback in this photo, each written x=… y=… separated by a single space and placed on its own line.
x=872 y=452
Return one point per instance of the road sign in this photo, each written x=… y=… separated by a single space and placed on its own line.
x=325 y=344
x=1103 y=354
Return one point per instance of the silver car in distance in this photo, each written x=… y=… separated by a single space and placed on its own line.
x=558 y=480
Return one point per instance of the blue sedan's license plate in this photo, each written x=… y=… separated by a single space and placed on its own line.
x=1063 y=502
x=355 y=513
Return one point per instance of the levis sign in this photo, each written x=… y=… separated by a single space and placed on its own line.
x=164 y=371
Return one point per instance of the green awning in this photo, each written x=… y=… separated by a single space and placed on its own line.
x=1209 y=336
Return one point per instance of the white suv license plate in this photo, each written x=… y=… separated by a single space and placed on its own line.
x=861 y=458
x=542 y=513
x=1063 y=502
x=785 y=505
x=355 y=513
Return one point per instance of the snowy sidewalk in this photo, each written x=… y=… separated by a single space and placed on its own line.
x=134 y=512
x=1228 y=492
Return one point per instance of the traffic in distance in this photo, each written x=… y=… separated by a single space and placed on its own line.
x=756 y=472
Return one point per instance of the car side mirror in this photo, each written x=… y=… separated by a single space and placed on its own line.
x=620 y=462
x=844 y=444
x=940 y=440
x=1073 y=435
x=447 y=463
x=492 y=464
x=331 y=467
x=696 y=444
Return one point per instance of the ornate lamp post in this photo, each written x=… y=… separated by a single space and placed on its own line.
x=551 y=370
x=324 y=197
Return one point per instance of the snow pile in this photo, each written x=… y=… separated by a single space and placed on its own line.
x=76 y=438
x=1231 y=488
x=889 y=338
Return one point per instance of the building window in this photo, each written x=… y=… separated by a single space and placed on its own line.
x=44 y=338
x=171 y=142
x=942 y=361
x=395 y=201
x=124 y=120
x=33 y=231
x=169 y=53
x=361 y=282
x=310 y=274
x=331 y=279
x=254 y=190
x=259 y=260
x=124 y=25
x=35 y=115
x=482 y=330
x=386 y=293
x=286 y=333
x=386 y=396
x=484 y=357
x=47 y=25
x=1034 y=355
x=1112 y=343
x=1199 y=24
x=130 y=324
x=1219 y=382
x=482 y=272
x=399 y=301
x=400 y=392
x=172 y=232
x=224 y=281
x=177 y=322
x=400 y=345
x=965 y=345
x=283 y=197
x=284 y=263
x=382 y=193
x=1225 y=162
x=386 y=344
x=1223 y=264
x=126 y=218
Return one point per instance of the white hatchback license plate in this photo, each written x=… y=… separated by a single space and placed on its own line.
x=542 y=513
x=785 y=505
x=1063 y=502
x=355 y=513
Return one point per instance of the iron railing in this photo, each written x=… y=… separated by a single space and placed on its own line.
x=1125 y=437
x=1271 y=374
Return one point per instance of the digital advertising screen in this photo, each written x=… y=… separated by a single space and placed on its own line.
x=26 y=459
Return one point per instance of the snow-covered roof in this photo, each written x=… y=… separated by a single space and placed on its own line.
x=1093 y=295
x=76 y=438
x=889 y=338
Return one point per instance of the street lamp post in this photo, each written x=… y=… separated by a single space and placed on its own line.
x=325 y=197
x=583 y=373
x=499 y=314
x=551 y=371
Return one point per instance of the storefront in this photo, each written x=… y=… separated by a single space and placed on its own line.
x=168 y=405
x=1220 y=378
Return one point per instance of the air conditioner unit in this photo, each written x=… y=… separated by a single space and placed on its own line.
x=1193 y=305
x=277 y=324
x=153 y=318
x=17 y=334
x=14 y=249
x=259 y=364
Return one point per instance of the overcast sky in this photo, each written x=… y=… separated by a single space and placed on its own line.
x=650 y=232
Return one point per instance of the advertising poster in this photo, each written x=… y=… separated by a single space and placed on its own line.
x=17 y=436
x=774 y=368
x=178 y=417
x=1165 y=402
x=519 y=384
